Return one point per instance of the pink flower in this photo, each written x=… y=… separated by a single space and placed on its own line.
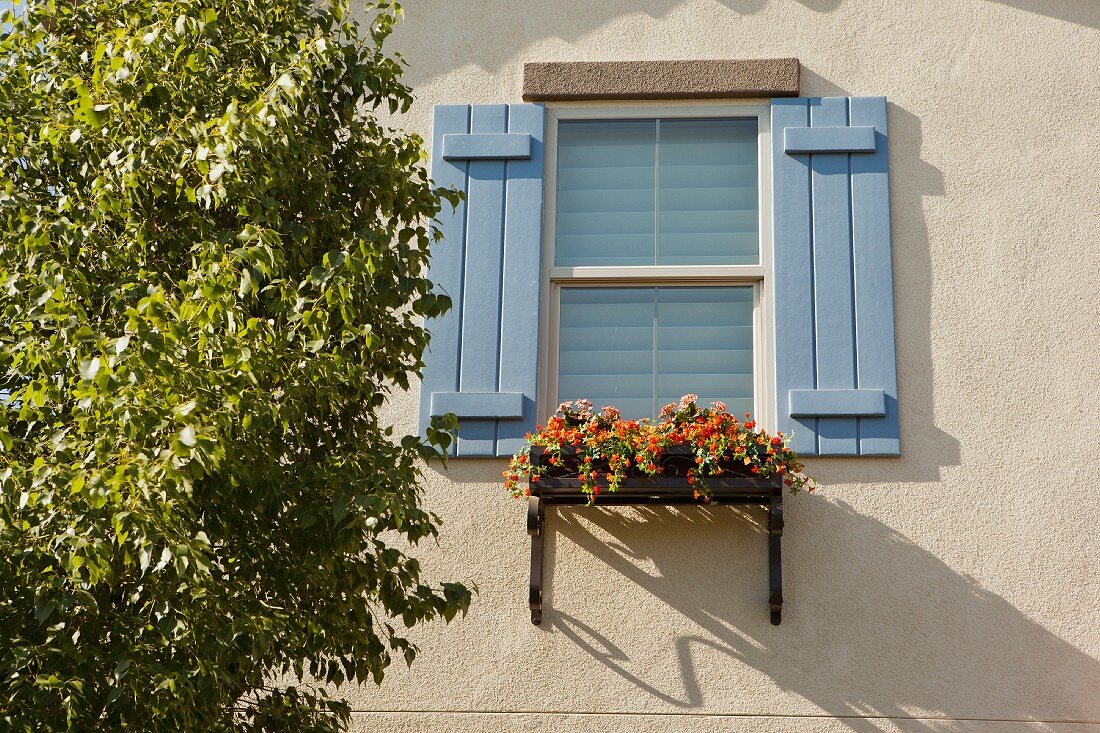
x=719 y=405
x=611 y=413
x=688 y=399
x=580 y=408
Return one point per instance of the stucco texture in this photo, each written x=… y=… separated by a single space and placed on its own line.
x=956 y=588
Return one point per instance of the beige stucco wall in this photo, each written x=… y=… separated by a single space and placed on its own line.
x=956 y=588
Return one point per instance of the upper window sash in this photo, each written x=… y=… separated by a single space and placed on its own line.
x=696 y=110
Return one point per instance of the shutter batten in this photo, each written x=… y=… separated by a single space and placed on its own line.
x=497 y=146
x=835 y=139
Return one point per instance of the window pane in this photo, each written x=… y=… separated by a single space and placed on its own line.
x=641 y=348
x=708 y=193
x=605 y=348
x=657 y=192
x=704 y=345
x=605 y=197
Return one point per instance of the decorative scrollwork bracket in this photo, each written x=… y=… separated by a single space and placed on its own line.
x=536 y=521
x=775 y=557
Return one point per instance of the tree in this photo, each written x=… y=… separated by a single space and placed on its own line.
x=212 y=276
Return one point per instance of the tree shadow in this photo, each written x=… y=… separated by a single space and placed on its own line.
x=821 y=6
x=434 y=54
x=1072 y=11
x=875 y=626
x=464 y=42
x=1085 y=13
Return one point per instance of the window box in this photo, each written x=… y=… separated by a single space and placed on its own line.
x=560 y=485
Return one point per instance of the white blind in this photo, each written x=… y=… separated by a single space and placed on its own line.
x=641 y=348
x=657 y=192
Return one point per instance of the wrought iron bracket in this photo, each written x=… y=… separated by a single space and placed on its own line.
x=775 y=558
x=536 y=522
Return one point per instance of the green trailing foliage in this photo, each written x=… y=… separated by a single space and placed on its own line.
x=212 y=276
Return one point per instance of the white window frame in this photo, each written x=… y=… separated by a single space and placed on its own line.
x=758 y=275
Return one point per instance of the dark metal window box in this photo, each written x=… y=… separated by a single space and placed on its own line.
x=560 y=485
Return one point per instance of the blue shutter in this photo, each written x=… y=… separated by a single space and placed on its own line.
x=836 y=379
x=482 y=360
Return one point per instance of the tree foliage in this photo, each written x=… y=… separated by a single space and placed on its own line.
x=212 y=275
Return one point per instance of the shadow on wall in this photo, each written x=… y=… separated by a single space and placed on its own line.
x=569 y=20
x=1081 y=12
x=903 y=633
x=925 y=449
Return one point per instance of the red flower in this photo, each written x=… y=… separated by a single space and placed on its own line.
x=608 y=447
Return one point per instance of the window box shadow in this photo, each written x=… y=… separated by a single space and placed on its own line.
x=561 y=484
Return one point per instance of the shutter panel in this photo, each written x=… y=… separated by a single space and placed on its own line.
x=482 y=361
x=836 y=378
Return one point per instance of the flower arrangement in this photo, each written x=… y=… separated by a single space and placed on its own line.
x=608 y=449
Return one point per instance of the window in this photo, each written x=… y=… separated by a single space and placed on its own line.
x=656 y=257
x=631 y=219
